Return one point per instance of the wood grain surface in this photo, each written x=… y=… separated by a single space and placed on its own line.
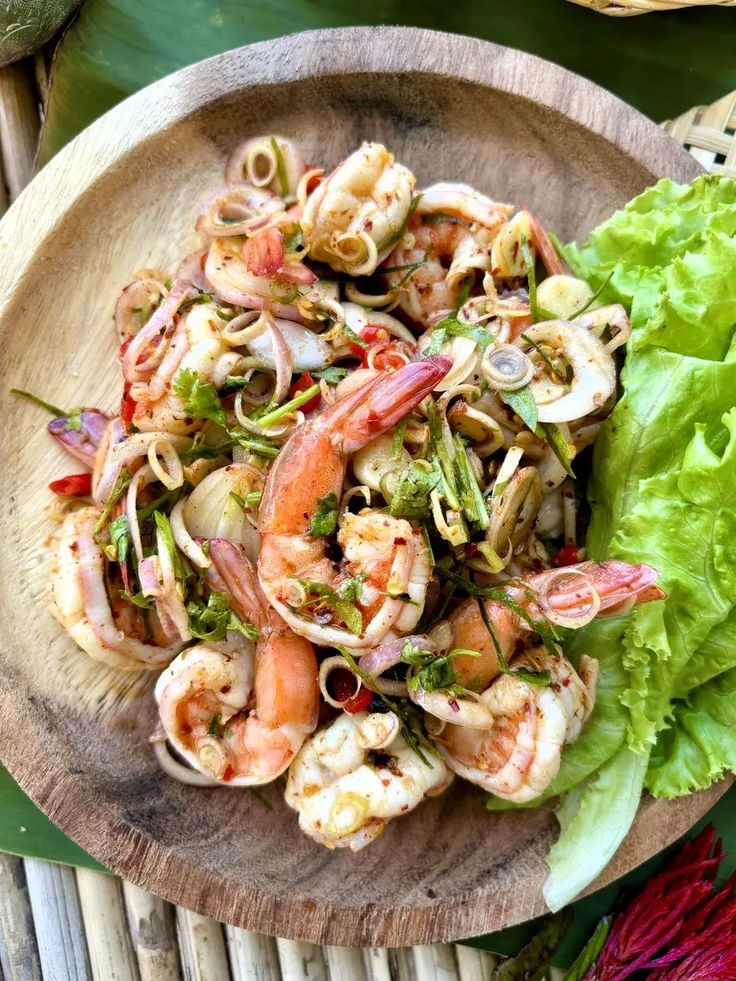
x=124 y=195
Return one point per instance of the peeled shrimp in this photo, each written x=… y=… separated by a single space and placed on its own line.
x=236 y=712
x=104 y=627
x=618 y=586
x=388 y=555
x=455 y=244
x=352 y=218
x=344 y=797
x=518 y=754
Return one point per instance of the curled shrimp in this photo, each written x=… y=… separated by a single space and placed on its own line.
x=235 y=712
x=517 y=755
x=385 y=557
x=98 y=620
x=564 y=592
x=351 y=778
x=352 y=218
x=449 y=238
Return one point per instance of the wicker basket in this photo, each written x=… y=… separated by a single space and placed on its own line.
x=631 y=8
x=709 y=133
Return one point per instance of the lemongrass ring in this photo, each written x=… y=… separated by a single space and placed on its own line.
x=260 y=164
x=302 y=189
x=179 y=771
x=183 y=539
x=354 y=295
x=172 y=476
x=506 y=368
x=507 y=469
x=357 y=251
x=244 y=328
x=544 y=599
x=330 y=664
x=360 y=491
x=378 y=730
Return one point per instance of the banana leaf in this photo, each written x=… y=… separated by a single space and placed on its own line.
x=661 y=63
x=24 y=830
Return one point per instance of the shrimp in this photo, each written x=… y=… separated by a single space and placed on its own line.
x=101 y=625
x=354 y=217
x=618 y=586
x=451 y=235
x=518 y=754
x=196 y=344
x=385 y=558
x=351 y=778
x=235 y=712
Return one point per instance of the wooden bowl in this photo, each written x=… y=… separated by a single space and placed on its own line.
x=124 y=195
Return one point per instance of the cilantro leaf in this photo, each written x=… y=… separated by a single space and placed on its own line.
x=324 y=521
x=213 y=619
x=436 y=673
x=343 y=607
x=332 y=374
x=120 y=537
x=199 y=398
x=411 y=497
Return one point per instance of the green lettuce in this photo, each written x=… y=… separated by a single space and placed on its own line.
x=662 y=491
x=699 y=746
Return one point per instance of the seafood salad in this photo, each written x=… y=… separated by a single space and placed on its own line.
x=335 y=510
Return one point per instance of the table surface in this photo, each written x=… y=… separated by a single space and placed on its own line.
x=57 y=922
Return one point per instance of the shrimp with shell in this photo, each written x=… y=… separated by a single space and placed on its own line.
x=238 y=711
x=385 y=558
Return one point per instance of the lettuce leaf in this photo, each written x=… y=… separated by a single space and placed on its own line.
x=594 y=819
x=700 y=745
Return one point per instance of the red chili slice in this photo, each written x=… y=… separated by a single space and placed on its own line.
x=303 y=382
x=569 y=555
x=75 y=485
x=343 y=685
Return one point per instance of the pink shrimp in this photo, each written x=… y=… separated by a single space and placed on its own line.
x=385 y=558
x=237 y=715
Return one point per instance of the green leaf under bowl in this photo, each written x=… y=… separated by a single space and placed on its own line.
x=26 y=831
x=660 y=63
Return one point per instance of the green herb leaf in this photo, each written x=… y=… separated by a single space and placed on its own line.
x=53 y=409
x=453 y=327
x=182 y=569
x=137 y=599
x=411 y=497
x=559 y=446
x=346 y=610
x=595 y=296
x=119 y=488
x=393 y=237
x=324 y=521
x=212 y=620
x=471 y=497
x=199 y=398
x=523 y=404
x=120 y=537
x=239 y=500
x=397 y=440
x=436 y=340
x=214 y=727
x=283 y=410
x=435 y=673
x=409 y=715
x=333 y=375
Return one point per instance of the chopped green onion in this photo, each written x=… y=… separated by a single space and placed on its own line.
x=53 y=409
x=283 y=410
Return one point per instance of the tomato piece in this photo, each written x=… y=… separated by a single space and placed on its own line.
x=75 y=485
x=569 y=555
x=303 y=382
x=344 y=687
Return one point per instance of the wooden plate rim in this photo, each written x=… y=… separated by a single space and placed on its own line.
x=84 y=161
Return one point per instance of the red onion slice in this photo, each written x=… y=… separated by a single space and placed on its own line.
x=191 y=268
x=237 y=209
x=143 y=293
x=81 y=443
x=159 y=327
x=388 y=655
x=107 y=464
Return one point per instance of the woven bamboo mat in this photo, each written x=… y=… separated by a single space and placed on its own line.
x=64 y=924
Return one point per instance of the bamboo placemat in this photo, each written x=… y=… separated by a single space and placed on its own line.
x=62 y=924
